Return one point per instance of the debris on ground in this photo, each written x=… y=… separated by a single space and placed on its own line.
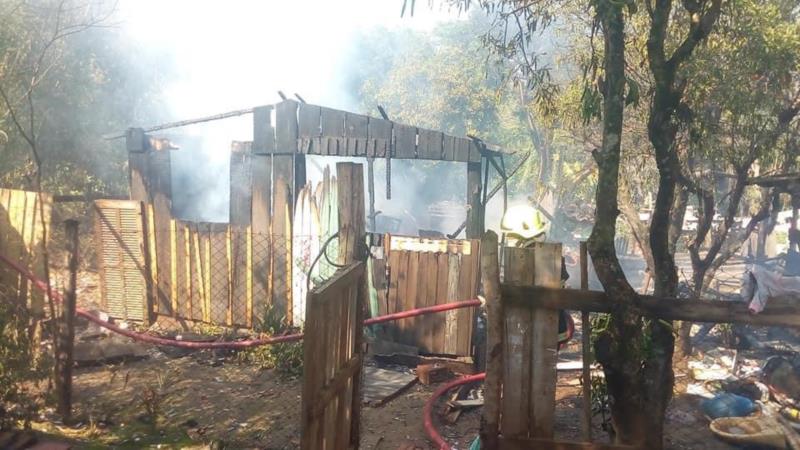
x=433 y=373
x=382 y=385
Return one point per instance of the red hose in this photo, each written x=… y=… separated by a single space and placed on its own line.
x=41 y=285
x=427 y=413
x=420 y=311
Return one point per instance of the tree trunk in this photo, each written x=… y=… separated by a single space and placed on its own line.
x=619 y=348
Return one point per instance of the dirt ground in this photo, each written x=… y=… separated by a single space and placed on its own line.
x=238 y=406
x=209 y=402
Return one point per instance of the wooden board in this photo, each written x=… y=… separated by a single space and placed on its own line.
x=380 y=137
x=355 y=133
x=309 y=131
x=283 y=206
x=430 y=144
x=261 y=242
x=427 y=272
x=263 y=131
x=530 y=340
x=332 y=126
x=241 y=187
x=405 y=141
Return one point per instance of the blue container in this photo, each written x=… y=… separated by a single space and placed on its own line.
x=728 y=405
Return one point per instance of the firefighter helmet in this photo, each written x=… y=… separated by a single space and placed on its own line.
x=524 y=222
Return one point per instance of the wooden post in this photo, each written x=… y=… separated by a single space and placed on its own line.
x=261 y=208
x=352 y=247
x=67 y=327
x=283 y=164
x=529 y=380
x=586 y=342
x=151 y=183
x=475 y=207
x=490 y=278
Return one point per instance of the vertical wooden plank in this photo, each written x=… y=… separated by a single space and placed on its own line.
x=249 y=279
x=430 y=144
x=474 y=152
x=380 y=136
x=449 y=148
x=263 y=132
x=312 y=373
x=393 y=291
x=352 y=245
x=586 y=350
x=173 y=265
x=547 y=265
x=468 y=289
x=490 y=279
x=402 y=328
x=439 y=320
x=405 y=141
x=411 y=300
x=332 y=125
x=218 y=274
x=283 y=205
x=451 y=316
x=475 y=211
x=241 y=190
x=355 y=133
x=138 y=176
x=309 y=130
x=461 y=149
x=519 y=270
x=207 y=273
x=198 y=281
x=428 y=285
x=229 y=273
x=261 y=240
x=187 y=270
x=239 y=275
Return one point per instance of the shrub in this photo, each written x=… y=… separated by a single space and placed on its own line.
x=286 y=359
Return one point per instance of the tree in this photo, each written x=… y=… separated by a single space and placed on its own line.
x=448 y=80
x=635 y=353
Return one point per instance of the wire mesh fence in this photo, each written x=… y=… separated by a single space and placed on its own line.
x=217 y=273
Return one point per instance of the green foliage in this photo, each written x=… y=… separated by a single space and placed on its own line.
x=22 y=368
x=90 y=80
x=286 y=359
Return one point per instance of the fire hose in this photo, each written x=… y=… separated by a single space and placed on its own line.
x=156 y=340
x=431 y=431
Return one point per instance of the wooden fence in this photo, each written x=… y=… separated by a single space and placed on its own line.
x=209 y=272
x=522 y=332
x=427 y=272
x=332 y=361
x=21 y=239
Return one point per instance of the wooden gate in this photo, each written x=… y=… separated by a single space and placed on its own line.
x=332 y=359
x=21 y=235
x=427 y=272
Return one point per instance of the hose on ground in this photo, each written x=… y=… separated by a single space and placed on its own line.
x=427 y=412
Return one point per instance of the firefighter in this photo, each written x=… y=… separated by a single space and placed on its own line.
x=525 y=225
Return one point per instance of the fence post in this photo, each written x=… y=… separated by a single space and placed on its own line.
x=490 y=279
x=586 y=335
x=67 y=325
x=352 y=248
